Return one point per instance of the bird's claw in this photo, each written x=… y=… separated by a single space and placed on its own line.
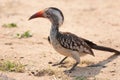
x=56 y=64
x=68 y=71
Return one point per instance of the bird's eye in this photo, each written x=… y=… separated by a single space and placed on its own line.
x=48 y=16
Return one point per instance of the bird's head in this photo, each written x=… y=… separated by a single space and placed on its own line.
x=53 y=14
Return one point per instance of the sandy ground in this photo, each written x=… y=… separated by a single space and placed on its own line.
x=96 y=20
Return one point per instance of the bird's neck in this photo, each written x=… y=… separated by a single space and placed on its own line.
x=54 y=31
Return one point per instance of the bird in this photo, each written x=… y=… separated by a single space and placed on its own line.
x=66 y=43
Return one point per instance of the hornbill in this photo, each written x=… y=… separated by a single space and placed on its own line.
x=66 y=43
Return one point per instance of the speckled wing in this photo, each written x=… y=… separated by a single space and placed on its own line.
x=72 y=42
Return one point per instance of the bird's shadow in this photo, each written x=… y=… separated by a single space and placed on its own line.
x=93 y=70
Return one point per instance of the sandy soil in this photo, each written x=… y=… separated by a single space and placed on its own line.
x=96 y=20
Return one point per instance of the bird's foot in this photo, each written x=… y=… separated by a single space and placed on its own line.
x=69 y=71
x=61 y=62
x=56 y=64
x=73 y=68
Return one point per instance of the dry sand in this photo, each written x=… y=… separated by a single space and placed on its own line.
x=96 y=20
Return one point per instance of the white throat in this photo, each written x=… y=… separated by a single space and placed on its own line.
x=53 y=33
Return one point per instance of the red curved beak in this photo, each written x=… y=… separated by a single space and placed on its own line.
x=37 y=15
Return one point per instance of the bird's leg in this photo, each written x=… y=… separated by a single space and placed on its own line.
x=60 y=62
x=73 y=67
x=76 y=56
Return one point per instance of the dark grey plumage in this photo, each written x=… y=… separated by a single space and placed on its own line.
x=72 y=42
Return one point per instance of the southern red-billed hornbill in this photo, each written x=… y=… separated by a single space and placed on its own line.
x=65 y=43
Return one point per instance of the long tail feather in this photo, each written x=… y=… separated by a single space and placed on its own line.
x=102 y=48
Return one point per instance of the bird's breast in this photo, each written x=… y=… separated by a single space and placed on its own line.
x=57 y=46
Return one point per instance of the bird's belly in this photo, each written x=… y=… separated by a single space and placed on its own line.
x=61 y=50
x=67 y=52
x=64 y=51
